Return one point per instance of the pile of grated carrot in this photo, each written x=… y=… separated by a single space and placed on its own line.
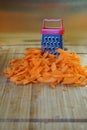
x=39 y=67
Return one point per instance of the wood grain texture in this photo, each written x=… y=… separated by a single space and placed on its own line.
x=37 y=106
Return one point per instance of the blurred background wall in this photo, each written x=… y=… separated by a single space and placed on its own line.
x=27 y=15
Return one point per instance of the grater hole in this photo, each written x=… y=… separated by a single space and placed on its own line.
x=46 y=49
x=51 y=44
x=49 y=38
x=53 y=49
x=58 y=42
x=55 y=53
x=45 y=38
x=44 y=44
x=60 y=45
x=53 y=39
x=48 y=44
x=55 y=44
x=56 y=39
x=49 y=49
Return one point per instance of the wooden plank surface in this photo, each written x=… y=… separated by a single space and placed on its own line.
x=37 y=106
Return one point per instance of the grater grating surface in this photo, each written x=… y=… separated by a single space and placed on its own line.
x=52 y=37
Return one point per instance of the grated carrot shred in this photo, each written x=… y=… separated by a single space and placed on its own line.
x=36 y=67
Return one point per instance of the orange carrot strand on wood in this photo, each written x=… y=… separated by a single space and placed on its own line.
x=36 y=67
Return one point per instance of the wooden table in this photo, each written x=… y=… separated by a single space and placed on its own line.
x=37 y=106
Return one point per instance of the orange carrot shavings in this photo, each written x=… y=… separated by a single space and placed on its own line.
x=36 y=67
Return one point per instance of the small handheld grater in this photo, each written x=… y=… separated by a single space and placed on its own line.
x=52 y=36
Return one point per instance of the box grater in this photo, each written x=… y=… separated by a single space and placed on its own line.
x=52 y=36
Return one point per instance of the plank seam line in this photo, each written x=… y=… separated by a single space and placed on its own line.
x=35 y=120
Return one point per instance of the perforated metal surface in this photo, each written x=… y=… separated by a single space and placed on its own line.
x=51 y=42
